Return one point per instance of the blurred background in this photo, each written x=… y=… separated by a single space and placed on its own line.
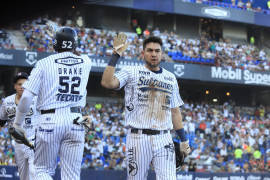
x=219 y=51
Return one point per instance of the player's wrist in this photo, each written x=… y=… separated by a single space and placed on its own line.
x=114 y=59
x=181 y=134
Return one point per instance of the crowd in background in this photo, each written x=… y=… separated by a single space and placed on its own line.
x=98 y=42
x=223 y=138
x=5 y=41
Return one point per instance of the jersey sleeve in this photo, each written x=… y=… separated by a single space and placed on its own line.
x=122 y=76
x=89 y=62
x=3 y=114
x=34 y=80
x=176 y=99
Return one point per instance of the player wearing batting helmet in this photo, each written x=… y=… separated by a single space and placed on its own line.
x=61 y=96
x=65 y=39
x=24 y=155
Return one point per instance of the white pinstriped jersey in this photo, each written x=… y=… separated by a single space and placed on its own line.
x=149 y=97
x=8 y=112
x=60 y=80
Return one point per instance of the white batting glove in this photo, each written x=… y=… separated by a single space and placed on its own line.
x=184 y=147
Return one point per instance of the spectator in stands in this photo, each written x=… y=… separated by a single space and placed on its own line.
x=246 y=168
x=79 y=22
x=139 y=31
x=240 y=4
x=134 y=24
x=257 y=154
x=238 y=153
x=156 y=32
x=146 y=33
x=248 y=5
x=86 y=164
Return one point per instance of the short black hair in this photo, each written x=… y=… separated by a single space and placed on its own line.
x=152 y=39
x=20 y=75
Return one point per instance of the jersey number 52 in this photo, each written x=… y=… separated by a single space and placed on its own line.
x=67 y=87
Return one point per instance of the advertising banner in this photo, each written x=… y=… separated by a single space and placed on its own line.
x=11 y=173
x=197 y=72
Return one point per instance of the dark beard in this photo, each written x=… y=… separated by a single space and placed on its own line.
x=152 y=66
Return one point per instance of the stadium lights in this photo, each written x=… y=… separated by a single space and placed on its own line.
x=207 y=92
x=215 y=100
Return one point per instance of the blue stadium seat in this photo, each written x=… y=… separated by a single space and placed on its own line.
x=117 y=140
x=105 y=149
x=262 y=150
x=202 y=60
x=174 y=57
x=179 y=54
x=89 y=156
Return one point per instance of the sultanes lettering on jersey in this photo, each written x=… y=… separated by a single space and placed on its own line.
x=149 y=97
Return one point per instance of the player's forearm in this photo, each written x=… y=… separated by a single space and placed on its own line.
x=3 y=114
x=177 y=119
x=108 y=80
x=178 y=124
x=107 y=77
x=23 y=107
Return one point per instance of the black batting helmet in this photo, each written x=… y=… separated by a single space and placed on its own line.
x=65 y=39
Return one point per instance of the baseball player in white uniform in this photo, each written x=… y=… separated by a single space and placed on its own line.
x=24 y=156
x=152 y=103
x=60 y=82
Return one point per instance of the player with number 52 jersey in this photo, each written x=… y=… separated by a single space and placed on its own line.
x=60 y=82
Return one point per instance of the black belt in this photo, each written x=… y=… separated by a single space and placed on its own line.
x=72 y=110
x=148 y=131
